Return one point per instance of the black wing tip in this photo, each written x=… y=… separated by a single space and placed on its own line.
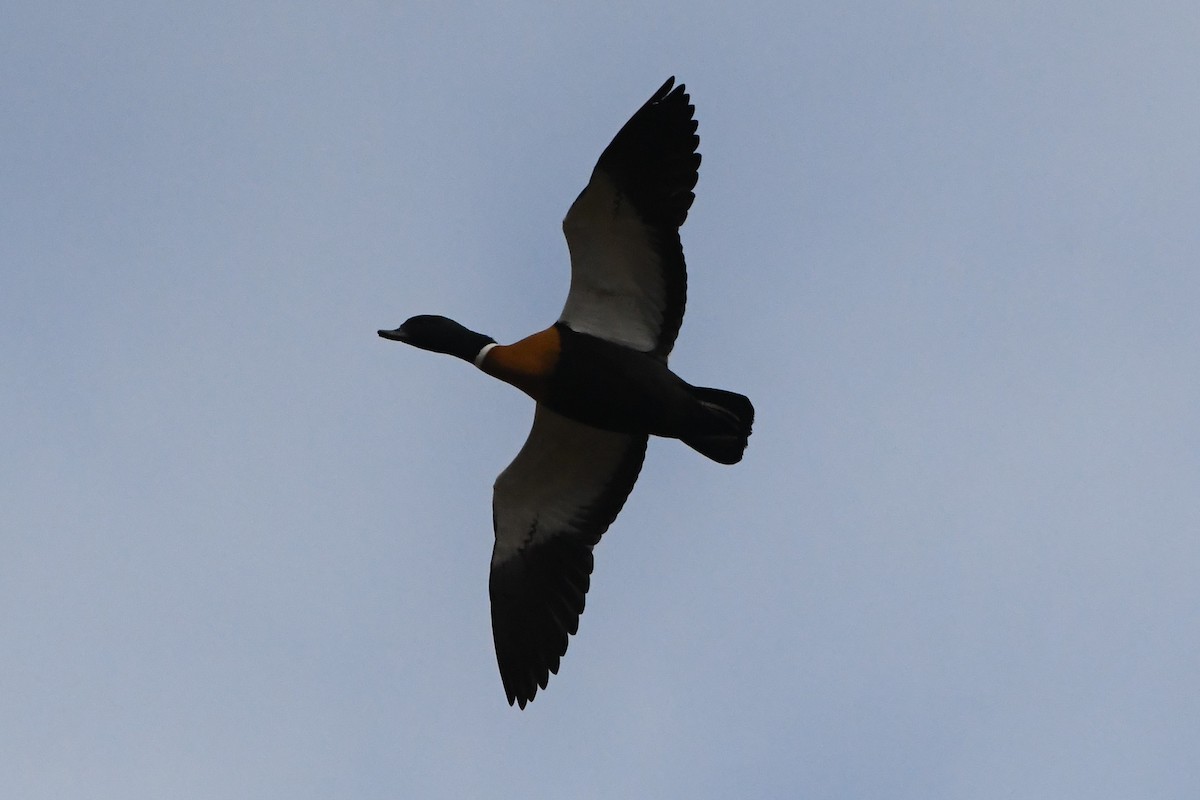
x=653 y=159
x=671 y=93
x=523 y=694
x=521 y=683
x=526 y=667
x=537 y=599
x=523 y=676
x=670 y=90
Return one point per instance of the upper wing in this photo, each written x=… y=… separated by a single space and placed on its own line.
x=549 y=508
x=628 y=279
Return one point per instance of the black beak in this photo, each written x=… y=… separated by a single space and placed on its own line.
x=396 y=335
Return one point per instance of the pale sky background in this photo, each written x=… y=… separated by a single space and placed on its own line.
x=949 y=249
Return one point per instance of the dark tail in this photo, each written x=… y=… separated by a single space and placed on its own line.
x=730 y=417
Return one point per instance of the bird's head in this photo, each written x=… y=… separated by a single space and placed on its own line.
x=439 y=335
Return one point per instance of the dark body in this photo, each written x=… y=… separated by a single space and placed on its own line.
x=612 y=387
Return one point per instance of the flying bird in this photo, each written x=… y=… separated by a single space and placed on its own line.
x=601 y=384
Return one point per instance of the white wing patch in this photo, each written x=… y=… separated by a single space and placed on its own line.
x=617 y=290
x=554 y=485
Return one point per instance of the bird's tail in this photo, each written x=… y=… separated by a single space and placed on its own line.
x=730 y=417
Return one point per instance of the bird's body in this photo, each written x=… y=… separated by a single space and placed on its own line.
x=602 y=386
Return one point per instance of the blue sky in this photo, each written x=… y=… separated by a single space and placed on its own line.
x=948 y=249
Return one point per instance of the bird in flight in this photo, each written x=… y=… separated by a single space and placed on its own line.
x=601 y=384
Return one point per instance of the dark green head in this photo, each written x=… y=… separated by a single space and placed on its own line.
x=440 y=335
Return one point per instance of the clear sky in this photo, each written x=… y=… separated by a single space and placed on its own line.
x=949 y=249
